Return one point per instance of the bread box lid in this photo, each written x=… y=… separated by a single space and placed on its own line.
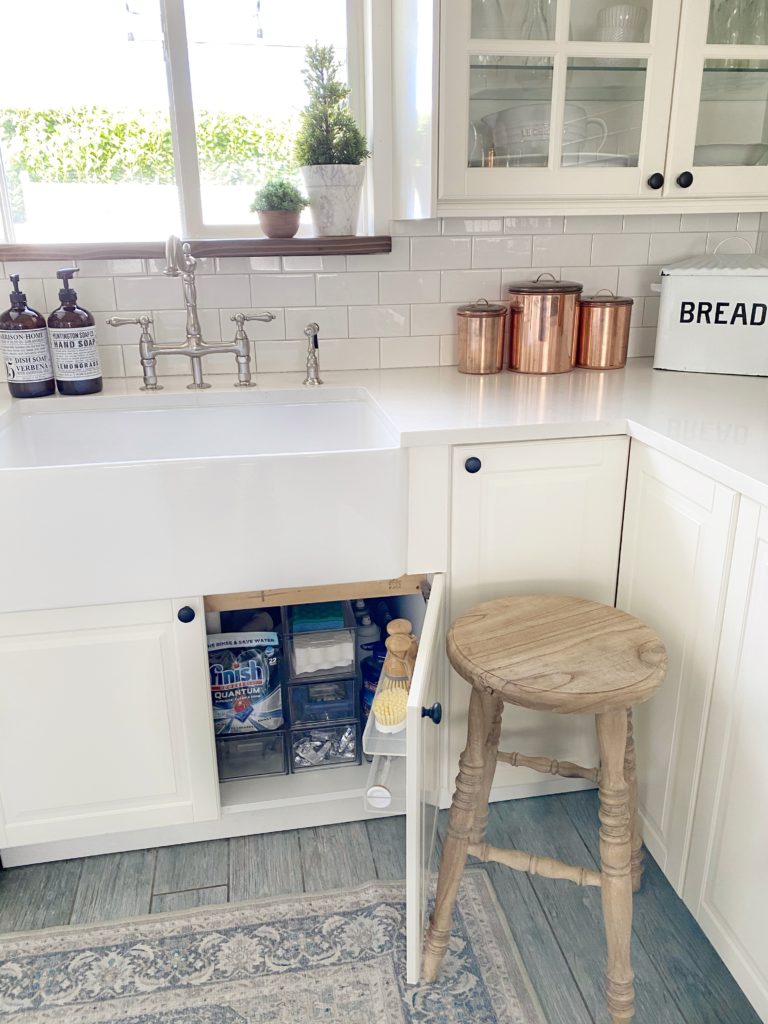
x=740 y=265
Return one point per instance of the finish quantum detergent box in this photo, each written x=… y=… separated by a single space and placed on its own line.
x=245 y=682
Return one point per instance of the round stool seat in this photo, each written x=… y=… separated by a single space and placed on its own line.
x=561 y=654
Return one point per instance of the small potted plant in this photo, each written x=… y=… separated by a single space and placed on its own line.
x=330 y=148
x=279 y=204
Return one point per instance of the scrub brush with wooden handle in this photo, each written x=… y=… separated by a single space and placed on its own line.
x=391 y=700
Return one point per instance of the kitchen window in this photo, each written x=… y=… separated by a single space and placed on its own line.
x=131 y=119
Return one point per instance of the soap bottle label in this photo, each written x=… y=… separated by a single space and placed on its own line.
x=75 y=353
x=26 y=355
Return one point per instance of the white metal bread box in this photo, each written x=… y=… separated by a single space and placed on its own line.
x=713 y=316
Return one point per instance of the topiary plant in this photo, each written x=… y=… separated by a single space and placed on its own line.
x=328 y=133
x=279 y=194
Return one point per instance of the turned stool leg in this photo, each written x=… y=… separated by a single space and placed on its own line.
x=615 y=864
x=630 y=774
x=494 y=708
x=469 y=786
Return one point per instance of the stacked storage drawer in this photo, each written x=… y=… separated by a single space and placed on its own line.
x=322 y=690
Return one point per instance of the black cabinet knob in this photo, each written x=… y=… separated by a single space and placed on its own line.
x=685 y=180
x=186 y=614
x=656 y=181
x=472 y=465
x=435 y=713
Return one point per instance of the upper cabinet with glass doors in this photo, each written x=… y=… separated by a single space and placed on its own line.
x=579 y=104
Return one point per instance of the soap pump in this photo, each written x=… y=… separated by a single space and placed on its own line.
x=72 y=333
x=24 y=344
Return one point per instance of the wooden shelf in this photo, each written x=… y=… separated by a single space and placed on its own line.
x=307 y=595
x=358 y=245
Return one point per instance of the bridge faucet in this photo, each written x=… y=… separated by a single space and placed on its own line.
x=181 y=263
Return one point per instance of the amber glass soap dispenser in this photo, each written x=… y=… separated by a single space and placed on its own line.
x=73 y=343
x=24 y=344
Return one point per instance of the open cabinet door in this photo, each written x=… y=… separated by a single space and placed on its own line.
x=423 y=771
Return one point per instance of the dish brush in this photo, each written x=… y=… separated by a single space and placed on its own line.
x=389 y=707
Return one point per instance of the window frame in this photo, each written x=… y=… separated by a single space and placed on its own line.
x=369 y=35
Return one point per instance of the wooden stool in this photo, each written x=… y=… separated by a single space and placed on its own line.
x=570 y=656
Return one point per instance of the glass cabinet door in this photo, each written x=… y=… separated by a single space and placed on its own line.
x=558 y=97
x=719 y=130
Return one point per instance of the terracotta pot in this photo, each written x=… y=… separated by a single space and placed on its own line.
x=334 y=192
x=279 y=223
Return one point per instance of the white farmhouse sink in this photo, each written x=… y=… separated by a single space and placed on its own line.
x=133 y=430
x=116 y=499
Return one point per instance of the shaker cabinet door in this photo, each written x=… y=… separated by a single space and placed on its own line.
x=105 y=721
x=725 y=886
x=534 y=516
x=678 y=528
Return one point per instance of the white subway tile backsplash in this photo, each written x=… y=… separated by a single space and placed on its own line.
x=412 y=228
x=336 y=264
x=593 y=278
x=446 y=253
x=618 y=250
x=145 y=293
x=637 y=223
x=637 y=280
x=575 y=250
x=724 y=242
x=332 y=321
x=346 y=290
x=604 y=223
x=748 y=222
x=439 y=318
x=349 y=353
x=672 y=248
x=256 y=330
x=92 y=292
x=281 y=357
x=642 y=341
x=473 y=225
x=379 y=321
x=280 y=290
x=398 y=259
x=391 y=309
x=468 y=285
x=504 y=251
x=449 y=349
x=534 y=225
x=111 y=357
x=110 y=268
x=650 y=311
x=409 y=286
x=709 y=222
x=215 y=291
x=410 y=351
x=170 y=325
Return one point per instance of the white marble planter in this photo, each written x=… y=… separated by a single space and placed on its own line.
x=334 y=192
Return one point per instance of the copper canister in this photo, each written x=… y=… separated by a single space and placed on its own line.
x=603 y=331
x=544 y=319
x=481 y=337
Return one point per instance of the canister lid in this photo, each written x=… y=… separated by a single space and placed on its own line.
x=608 y=299
x=482 y=307
x=545 y=284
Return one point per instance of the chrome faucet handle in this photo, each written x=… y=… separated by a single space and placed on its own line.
x=121 y=321
x=243 y=346
x=313 y=355
x=147 y=348
x=240 y=318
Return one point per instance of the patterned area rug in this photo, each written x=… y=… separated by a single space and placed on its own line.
x=335 y=958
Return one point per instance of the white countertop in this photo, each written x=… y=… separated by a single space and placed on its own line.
x=717 y=424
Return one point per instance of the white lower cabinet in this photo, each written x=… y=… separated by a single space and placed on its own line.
x=675 y=554
x=725 y=886
x=104 y=722
x=534 y=516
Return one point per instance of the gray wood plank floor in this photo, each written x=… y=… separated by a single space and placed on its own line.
x=557 y=926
